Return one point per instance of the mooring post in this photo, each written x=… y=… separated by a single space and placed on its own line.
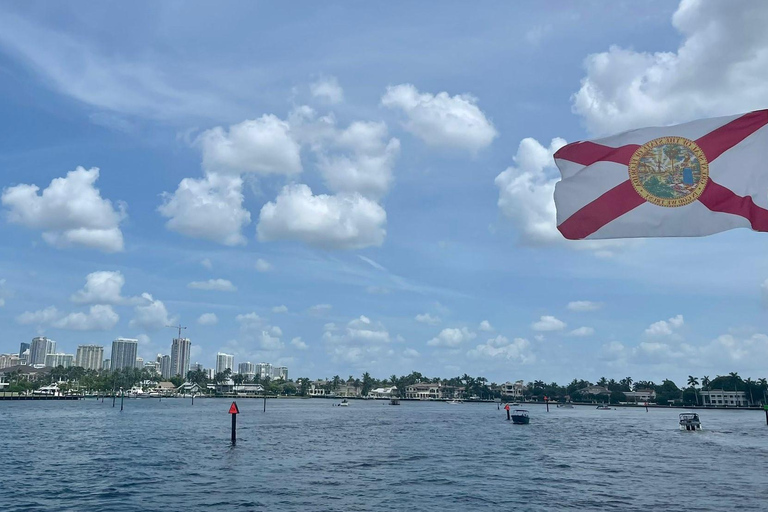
x=546 y=401
x=113 y=397
x=265 y=401
x=193 y=399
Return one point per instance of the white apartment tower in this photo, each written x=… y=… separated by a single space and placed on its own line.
x=180 y=349
x=224 y=362
x=90 y=357
x=124 y=353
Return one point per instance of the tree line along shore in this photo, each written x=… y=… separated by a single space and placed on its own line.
x=77 y=380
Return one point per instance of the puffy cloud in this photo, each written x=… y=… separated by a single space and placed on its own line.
x=208 y=319
x=206 y=263
x=745 y=351
x=280 y=309
x=348 y=221
x=367 y=167
x=363 y=341
x=582 y=332
x=327 y=89
x=428 y=319
x=102 y=287
x=219 y=285
x=263 y=265
x=299 y=344
x=451 y=337
x=485 y=326
x=500 y=347
x=583 y=306
x=40 y=317
x=665 y=327
x=410 y=353
x=249 y=321
x=151 y=315
x=548 y=323
x=526 y=191
x=70 y=211
x=210 y=208
x=320 y=309
x=99 y=318
x=721 y=67
x=442 y=120
x=270 y=341
x=262 y=146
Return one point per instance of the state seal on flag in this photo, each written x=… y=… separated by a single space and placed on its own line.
x=669 y=171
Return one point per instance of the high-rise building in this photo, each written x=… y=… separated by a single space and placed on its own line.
x=89 y=357
x=124 y=353
x=107 y=365
x=139 y=363
x=247 y=369
x=39 y=348
x=180 y=349
x=8 y=360
x=225 y=362
x=54 y=360
x=196 y=367
x=209 y=374
x=280 y=372
x=22 y=347
x=24 y=357
x=264 y=370
x=165 y=366
x=152 y=366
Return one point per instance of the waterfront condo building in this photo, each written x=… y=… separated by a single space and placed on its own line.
x=39 y=348
x=225 y=362
x=280 y=372
x=22 y=348
x=165 y=366
x=107 y=365
x=264 y=370
x=54 y=360
x=247 y=370
x=180 y=349
x=8 y=360
x=124 y=353
x=139 y=363
x=89 y=357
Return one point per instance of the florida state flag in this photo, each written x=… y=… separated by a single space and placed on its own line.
x=692 y=179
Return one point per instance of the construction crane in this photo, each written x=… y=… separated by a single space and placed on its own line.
x=179 y=327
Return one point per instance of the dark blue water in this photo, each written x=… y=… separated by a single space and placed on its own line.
x=307 y=455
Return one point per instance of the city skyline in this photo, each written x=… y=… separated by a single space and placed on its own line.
x=337 y=214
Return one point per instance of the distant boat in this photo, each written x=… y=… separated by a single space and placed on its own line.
x=394 y=401
x=604 y=408
x=690 y=421
x=565 y=406
x=520 y=417
x=454 y=402
x=514 y=404
x=344 y=403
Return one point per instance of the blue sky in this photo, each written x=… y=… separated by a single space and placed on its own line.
x=381 y=171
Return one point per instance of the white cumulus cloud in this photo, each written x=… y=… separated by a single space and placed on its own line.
x=451 y=337
x=40 y=317
x=263 y=265
x=326 y=221
x=69 y=212
x=280 y=309
x=665 y=327
x=262 y=146
x=99 y=318
x=327 y=88
x=151 y=315
x=500 y=347
x=210 y=208
x=582 y=332
x=440 y=119
x=102 y=287
x=485 y=326
x=720 y=67
x=299 y=344
x=548 y=323
x=219 y=285
x=584 y=306
x=428 y=319
x=208 y=319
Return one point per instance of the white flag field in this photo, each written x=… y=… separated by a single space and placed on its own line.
x=692 y=179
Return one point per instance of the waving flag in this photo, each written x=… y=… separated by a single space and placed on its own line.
x=692 y=179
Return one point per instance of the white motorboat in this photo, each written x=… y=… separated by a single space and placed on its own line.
x=604 y=408
x=690 y=421
x=454 y=402
x=344 y=403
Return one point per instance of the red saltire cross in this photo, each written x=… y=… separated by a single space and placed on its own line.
x=623 y=198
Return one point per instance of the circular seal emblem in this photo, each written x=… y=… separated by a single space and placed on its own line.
x=669 y=171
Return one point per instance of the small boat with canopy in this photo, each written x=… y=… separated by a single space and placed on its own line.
x=690 y=421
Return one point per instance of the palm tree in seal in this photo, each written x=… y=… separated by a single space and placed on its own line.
x=693 y=382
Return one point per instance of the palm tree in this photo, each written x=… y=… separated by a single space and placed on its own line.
x=705 y=382
x=750 y=383
x=693 y=382
x=367 y=383
x=336 y=382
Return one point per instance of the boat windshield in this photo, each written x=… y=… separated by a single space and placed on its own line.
x=689 y=416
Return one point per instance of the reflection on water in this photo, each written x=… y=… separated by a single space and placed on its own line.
x=308 y=455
